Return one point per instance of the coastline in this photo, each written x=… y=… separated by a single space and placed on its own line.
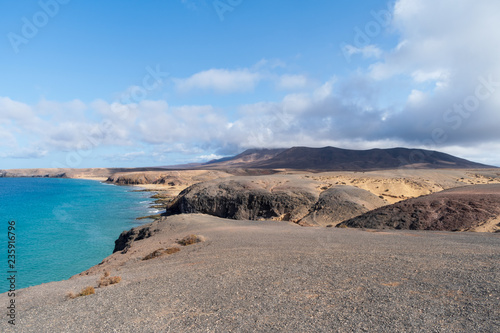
x=270 y=275
x=58 y=215
x=277 y=275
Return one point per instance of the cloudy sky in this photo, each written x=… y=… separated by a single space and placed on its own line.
x=129 y=83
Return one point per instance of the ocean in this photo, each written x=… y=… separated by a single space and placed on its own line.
x=63 y=226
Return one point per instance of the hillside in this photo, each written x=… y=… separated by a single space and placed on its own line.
x=337 y=159
x=468 y=208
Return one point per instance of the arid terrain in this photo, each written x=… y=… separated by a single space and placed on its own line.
x=277 y=276
x=467 y=208
x=250 y=249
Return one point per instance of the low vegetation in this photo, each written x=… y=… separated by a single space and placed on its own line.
x=104 y=281
x=190 y=239
x=161 y=252
x=107 y=280
x=84 y=292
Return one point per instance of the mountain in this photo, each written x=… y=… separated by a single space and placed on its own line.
x=246 y=159
x=337 y=159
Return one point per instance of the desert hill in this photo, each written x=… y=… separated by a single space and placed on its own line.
x=468 y=208
x=337 y=159
x=301 y=200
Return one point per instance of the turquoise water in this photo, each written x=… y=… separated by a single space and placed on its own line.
x=63 y=226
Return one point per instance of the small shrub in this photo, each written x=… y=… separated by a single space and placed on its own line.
x=171 y=250
x=153 y=254
x=342 y=226
x=107 y=280
x=85 y=292
x=189 y=240
x=161 y=252
x=114 y=279
x=72 y=295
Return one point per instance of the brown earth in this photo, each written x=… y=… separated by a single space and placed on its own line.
x=317 y=198
x=468 y=208
x=340 y=203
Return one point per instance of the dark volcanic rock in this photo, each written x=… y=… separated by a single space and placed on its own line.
x=458 y=209
x=243 y=200
x=340 y=203
x=126 y=238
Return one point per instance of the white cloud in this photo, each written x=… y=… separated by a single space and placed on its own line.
x=220 y=81
x=421 y=76
x=207 y=158
x=7 y=139
x=416 y=96
x=404 y=96
x=127 y=157
x=369 y=51
x=25 y=153
x=292 y=82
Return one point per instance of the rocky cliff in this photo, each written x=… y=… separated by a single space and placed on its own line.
x=243 y=200
x=278 y=198
x=126 y=238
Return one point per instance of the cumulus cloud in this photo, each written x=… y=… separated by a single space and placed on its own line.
x=455 y=49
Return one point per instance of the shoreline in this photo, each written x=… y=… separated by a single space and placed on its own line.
x=247 y=271
x=136 y=219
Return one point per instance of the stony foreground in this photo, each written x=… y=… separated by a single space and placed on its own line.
x=277 y=276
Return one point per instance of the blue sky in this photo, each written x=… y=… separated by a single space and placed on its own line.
x=128 y=83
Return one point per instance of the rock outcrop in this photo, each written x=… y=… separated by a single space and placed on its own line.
x=459 y=209
x=243 y=199
x=340 y=203
x=128 y=237
x=145 y=178
x=284 y=199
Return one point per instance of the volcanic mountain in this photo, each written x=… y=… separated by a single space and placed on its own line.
x=337 y=159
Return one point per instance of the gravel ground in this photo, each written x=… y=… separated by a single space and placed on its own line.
x=275 y=276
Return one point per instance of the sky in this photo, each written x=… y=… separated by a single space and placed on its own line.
x=154 y=83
